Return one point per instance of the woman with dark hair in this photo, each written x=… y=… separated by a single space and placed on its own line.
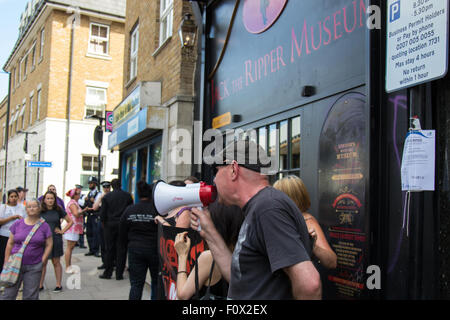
x=52 y=213
x=190 y=180
x=179 y=217
x=138 y=232
x=228 y=221
x=9 y=213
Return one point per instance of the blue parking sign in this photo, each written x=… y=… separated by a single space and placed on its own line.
x=394 y=11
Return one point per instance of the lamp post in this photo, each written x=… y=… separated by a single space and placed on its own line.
x=98 y=141
x=25 y=149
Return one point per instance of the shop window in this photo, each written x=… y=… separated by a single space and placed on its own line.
x=99 y=39
x=282 y=140
x=95 y=101
x=155 y=158
x=134 y=47
x=166 y=18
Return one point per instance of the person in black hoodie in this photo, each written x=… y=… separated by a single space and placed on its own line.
x=138 y=232
x=113 y=206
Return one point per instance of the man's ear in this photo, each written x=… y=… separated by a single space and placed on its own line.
x=235 y=170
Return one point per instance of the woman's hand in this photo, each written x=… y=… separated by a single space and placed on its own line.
x=182 y=244
x=58 y=231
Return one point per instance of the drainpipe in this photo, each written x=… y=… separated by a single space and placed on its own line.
x=69 y=102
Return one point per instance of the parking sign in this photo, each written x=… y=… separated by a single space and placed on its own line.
x=394 y=11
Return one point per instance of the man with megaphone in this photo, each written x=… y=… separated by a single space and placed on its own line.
x=271 y=259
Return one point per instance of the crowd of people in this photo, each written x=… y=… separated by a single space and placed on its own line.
x=261 y=242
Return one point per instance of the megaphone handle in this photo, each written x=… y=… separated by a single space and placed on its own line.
x=199 y=225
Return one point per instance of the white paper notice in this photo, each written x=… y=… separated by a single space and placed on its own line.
x=418 y=161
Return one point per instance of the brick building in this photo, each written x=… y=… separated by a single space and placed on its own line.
x=158 y=94
x=66 y=65
x=3 y=121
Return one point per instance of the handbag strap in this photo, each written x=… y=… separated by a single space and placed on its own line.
x=30 y=235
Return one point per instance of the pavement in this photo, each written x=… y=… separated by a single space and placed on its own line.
x=85 y=284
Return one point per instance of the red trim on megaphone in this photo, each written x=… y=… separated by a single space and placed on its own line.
x=207 y=194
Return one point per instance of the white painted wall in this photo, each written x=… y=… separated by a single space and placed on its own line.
x=51 y=137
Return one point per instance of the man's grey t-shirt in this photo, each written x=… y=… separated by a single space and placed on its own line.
x=273 y=236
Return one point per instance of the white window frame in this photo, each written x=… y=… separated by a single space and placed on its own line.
x=98 y=39
x=19 y=78
x=33 y=56
x=134 y=48
x=25 y=66
x=22 y=115
x=99 y=107
x=38 y=103
x=31 y=108
x=41 y=49
x=165 y=21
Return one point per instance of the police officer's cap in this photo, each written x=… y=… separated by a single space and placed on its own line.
x=106 y=184
x=93 y=179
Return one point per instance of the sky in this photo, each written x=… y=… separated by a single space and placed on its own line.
x=10 y=11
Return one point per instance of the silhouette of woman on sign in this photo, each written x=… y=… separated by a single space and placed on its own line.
x=263 y=4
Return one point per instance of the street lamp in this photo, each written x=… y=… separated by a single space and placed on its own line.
x=25 y=149
x=98 y=141
x=187 y=31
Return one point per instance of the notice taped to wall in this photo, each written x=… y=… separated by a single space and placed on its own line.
x=418 y=161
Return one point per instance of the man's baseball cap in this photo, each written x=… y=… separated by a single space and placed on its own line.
x=246 y=153
x=19 y=189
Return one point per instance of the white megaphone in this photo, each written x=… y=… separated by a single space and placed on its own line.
x=167 y=197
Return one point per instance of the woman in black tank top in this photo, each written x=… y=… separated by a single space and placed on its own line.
x=228 y=221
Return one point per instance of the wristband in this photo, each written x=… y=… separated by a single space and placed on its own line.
x=182 y=272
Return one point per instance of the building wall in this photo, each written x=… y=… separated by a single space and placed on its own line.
x=3 y=110
x=168 y=64
x=51 y=76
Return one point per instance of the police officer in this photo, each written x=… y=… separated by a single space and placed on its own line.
x=92 y=220
x=113 y=206
x=97 y=206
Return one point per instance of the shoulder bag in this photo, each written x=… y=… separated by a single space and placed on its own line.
x=11 y=268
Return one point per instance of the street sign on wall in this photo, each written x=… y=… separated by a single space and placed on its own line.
x=39 y=164
x=416 y=42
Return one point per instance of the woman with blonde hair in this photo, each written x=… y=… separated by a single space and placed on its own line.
x=294 y=187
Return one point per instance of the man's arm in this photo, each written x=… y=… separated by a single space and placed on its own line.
x=221 y=253
x=305 y=281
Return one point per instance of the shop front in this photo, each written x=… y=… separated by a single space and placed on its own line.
x=305 y=80
x=137 y=134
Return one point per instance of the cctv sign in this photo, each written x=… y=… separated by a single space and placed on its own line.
x=416 y=42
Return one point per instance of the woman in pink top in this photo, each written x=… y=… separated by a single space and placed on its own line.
x=72 y=235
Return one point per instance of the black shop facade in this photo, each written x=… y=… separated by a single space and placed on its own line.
x=305 y=80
